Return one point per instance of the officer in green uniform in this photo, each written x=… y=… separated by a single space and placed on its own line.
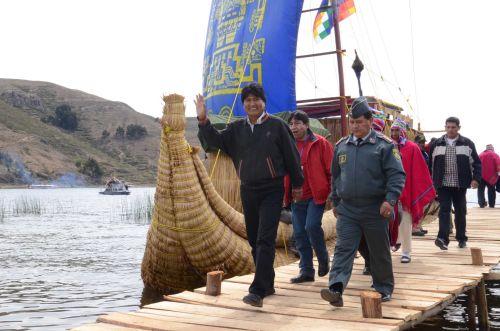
x=367 y=180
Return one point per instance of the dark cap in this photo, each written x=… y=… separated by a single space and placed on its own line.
x=360 y=107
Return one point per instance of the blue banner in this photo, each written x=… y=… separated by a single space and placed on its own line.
x=251 y=41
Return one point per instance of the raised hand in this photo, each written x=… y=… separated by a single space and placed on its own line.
x=201 y=109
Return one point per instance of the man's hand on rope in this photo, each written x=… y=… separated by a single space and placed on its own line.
x=201 y=108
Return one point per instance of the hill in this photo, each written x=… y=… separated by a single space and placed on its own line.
x=34 y=147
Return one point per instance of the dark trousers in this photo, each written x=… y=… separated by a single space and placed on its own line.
x=447 y=196
x=308 y=234
x=363 y=250
x=262 y=209
x=351 y=225
x=492 y=194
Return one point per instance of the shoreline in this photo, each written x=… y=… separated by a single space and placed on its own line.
x=25 y=186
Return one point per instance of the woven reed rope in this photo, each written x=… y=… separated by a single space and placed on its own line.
x=193 y=229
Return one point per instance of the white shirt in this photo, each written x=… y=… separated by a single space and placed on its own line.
x=259 y=120
x=451 y=142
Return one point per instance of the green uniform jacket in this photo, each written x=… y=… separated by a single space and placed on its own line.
x=366 y=174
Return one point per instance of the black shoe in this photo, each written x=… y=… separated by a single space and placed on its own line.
x=462 y=244
x=367 y=271
x=253 y=300
x=270 y=291
x=323 y=269
x=440 y=243
x=333 y=297
x=301 y=279
x=424 y=231
x=418 y=233
x=385 y=297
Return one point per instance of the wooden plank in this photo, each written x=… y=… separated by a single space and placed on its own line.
x=402 y=301
x=350 y=289
x=103 y=327
x=147 y=322
x=390 y=311
x=286 y=321
x=342 y=314
x=281 y=282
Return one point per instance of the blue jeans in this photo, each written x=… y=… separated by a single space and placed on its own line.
x=308 y=234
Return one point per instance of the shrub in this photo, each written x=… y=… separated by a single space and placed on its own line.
x=136 y=131
x=120 y=132
x=90 y=168
x=65 y=118
x=105 y=134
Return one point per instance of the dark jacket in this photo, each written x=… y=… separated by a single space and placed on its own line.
x=262 y=157
x=468 y=162
x=369 y=173
x=316 y=161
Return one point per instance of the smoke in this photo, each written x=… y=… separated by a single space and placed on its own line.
x=69 y=179
x=14 y=165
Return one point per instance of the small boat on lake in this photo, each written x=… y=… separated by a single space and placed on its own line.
x=114 y=186
x=41 y=186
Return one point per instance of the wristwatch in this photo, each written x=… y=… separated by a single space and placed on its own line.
x=391 y=202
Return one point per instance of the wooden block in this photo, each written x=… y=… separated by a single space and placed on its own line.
x=477 y=256
x=214 y=283
x=371 y=304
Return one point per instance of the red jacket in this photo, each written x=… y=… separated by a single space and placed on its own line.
x=316 y=161
x=418 y=190
x=490 y=165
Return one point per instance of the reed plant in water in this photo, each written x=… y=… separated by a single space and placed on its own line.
x=2 y=210
x=138 y=210
x=25 y=205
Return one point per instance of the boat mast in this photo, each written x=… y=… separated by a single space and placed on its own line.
x=339 y=52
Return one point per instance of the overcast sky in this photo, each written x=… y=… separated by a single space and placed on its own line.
x=135 y=51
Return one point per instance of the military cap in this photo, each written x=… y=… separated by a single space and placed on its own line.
x=359 y=107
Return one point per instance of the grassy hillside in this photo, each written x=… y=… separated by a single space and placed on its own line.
x=48 y=152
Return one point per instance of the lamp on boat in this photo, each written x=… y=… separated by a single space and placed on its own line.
x=358 y=66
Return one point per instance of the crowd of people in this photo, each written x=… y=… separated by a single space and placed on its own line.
x=377 y=186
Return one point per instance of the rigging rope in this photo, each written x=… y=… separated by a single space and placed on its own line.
x=239 y=86
x=413 y=61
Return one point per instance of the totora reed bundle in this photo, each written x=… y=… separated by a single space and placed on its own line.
x=193 y=230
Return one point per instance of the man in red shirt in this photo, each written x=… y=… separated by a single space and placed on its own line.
x=490 y=162
x=316 y=155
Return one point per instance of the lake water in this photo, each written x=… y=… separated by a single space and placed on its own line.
x=79 y=256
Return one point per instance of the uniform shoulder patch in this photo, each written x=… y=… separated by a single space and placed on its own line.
x=341 y=140
x=397 y=156
x=384 y=137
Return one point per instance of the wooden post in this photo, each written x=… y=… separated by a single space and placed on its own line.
x=482 y=306
x=471 y=309
x=371 y=304
x=214 y=283
x=338 y=49
x=477 y=256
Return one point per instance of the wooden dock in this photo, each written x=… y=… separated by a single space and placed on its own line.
x=432 y=280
